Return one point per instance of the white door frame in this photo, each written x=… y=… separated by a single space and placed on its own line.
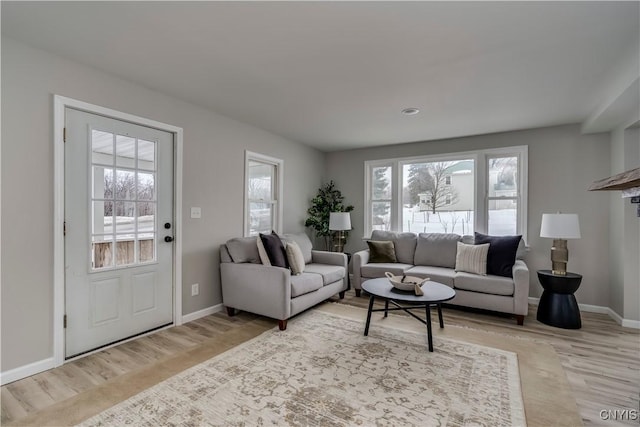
x=59 y=105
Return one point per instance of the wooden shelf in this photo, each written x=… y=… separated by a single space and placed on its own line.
x=621 y=181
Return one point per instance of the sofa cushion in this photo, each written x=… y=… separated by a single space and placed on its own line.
x=436 y=250
x=305 y=283
x=243 y=249
x=381 y=251
x=494 y=285
x=502 y=253
x=404 y=243
x=437 y=274
x=329 y=273
x=373 y=270
x=275 y=249
x=295 y=258
x=303 y=242
x=472 y=258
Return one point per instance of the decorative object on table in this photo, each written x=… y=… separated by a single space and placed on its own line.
x=560 y=227
x=407 y=283
x=329 y=199
x=558 y=306
x=339 y=222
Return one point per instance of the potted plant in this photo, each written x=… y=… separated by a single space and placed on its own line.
x=329 y=199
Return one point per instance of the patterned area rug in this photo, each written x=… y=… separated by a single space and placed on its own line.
x=323 y=371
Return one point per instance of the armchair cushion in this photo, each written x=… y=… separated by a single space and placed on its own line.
x=275 y=249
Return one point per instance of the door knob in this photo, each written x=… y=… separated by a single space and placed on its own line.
x=168 y=239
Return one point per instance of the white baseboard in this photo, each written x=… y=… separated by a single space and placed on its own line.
x=588 y=308
x=201 y=313
x=26 y=370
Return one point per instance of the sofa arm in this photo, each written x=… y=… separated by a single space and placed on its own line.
x=257 y=288
x=358 y=260
x=329 y=258
x=521 y=288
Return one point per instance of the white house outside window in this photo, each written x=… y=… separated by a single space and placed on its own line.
x=482 y=191
x=263 y=194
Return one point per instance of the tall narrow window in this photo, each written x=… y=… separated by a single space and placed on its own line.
x=380 y=198
x=263 y=190
x=503 y=195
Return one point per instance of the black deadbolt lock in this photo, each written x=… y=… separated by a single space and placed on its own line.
x=167 y=225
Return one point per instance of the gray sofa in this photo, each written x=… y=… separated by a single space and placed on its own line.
x=434 y=255
x=274 y=292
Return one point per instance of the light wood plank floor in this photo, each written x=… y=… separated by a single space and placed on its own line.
x=601 y=360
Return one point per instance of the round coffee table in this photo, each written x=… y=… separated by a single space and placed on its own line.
x=434 y=294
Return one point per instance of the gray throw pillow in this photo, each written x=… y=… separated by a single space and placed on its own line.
x=381 y=251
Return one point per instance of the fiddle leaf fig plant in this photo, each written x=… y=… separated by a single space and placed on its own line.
x=329 y=199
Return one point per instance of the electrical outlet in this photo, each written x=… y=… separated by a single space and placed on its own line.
x=195 y=289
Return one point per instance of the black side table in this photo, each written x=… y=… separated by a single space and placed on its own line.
x=558 y=306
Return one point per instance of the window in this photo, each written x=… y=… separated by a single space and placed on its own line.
x=459 y=193
x=263 y=190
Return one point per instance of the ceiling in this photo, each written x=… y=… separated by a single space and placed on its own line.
x=335 y=75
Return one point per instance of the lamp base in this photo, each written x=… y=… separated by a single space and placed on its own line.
x=339 y=239
x=559 y=257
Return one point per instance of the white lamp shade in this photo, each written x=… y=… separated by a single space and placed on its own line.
x=560 y=226
x=339 y=221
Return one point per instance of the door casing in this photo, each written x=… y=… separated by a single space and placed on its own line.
x=60 y=103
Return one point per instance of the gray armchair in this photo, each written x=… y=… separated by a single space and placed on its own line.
x=274 y=292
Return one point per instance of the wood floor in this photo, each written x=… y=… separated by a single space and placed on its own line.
x=601 y=360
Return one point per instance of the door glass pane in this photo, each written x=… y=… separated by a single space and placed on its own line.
x=146 y=248
x=146 y=217
x=260 y=218
x=438 y=197
x=125 y=214
x=102 y=182
x=146 y=186
x=101 y=147
x=125 y=151
x=146 y=155
x=101 y=252
x=261 y=180
x=503 y=177
x=380 y=215
x=125 y=251
x=503 y=217
x=125 y=186
x=102 y=222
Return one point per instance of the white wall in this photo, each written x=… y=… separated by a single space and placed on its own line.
x=562 y=165
x=213 y=179
x=624 y=241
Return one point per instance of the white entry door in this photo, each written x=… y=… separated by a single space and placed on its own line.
x=118 y=230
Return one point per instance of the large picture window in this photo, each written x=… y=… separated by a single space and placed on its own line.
x=263 y=194
x=482 y=191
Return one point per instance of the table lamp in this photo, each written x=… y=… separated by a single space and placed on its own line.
x=339 y=222
x=560 y=227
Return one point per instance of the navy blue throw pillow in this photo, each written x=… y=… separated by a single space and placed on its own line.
x=502 y=253
x=275 y=249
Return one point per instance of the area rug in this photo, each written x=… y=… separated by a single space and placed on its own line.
x=323 y=371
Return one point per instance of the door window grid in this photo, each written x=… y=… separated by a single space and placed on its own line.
x=123 y=201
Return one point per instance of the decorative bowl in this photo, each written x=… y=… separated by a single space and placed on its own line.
x=405 y=283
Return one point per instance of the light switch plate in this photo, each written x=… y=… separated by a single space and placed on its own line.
x=195 y=289
x=196 y=213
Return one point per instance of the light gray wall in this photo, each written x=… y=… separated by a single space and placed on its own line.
x=213 y=179
x=562 y=165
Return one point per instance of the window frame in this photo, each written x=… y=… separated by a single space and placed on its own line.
x=481 y=185
x=277 y=190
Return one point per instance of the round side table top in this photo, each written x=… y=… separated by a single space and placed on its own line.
x=566 y=284
x=434 y=292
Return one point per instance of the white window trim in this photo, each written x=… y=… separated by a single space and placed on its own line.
x=279 y=164
x=480 y=184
